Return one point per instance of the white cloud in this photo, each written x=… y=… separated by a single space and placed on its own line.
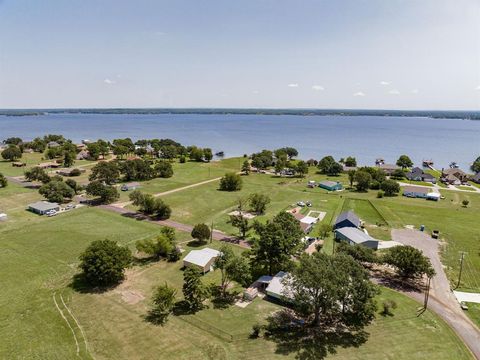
x=359 y=93
x=293 y=85
x=318 y=87
x=478 y=87
x=394 y=92
x=384 y=83
x=415 y=91
x=255 y=92
x=109 y=82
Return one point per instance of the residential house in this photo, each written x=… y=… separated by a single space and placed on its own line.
x=330 y=185
x=355 y=236
x=418 y=174
x=454 y=176
x=277 y=288
x=42 y=207
x=83 y=155
x=347 y=219
x=388 y=169
x=53 y=144
x=416 y=191
x=202 y=259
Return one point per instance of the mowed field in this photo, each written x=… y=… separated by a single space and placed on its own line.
x=39 y=256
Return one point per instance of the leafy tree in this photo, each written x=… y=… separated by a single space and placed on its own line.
x=279 y=239
x=37 y=144
x=68 y=159
x=390 y=187
x=201 y=232
x=290 y=152
x=93 y=150
x=12 y=153
x=241 y=223
x=106 y=193
x=73 y=185
x=196 y=154
x=3 y=181
x=324 y=229
x=362 y=180
x=103 y=147
x=351 y=177
x=476 y=165
x=164 y=169
x=136 y=169
x=301 y=168
x=259 y=202
x=232 y=268
x=332 y=291
x=263 y=159
x=398 y=174
x=360 y=253
x=103 y=262
x=163 y=302
x=122 y=147
x=404 y=162
x=106 y=172
x=465 y=202
x=168 y=152
x=56 y=191
x=194 y=292
x=207 y=154
x=246 y=167
x=182 y=159
x=231 y=182
x=13 y=141
x=162 y=246
x=409 y=261
x=150 y=205
x=37 y=174
x=350 y=161
x=329 y=166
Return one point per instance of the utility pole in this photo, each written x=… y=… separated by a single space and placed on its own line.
x=211 y=233
x=463 y=253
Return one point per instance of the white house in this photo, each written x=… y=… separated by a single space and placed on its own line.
x=202 y=259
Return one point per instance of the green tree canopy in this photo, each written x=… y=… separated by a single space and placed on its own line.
x=163 y=302
x=329 y=166
x=103 y=263
x=332 y=291
x=258 y=202
x=362 y=180
x=12 y=153
x=241 y=223
x=404 y=162
x=37 y=174
x=194 y=292
x=279 y=239
x=56 y=191
x=232 y=268
x=231 y=182
x=409 y=261
x=105 y=171
x=3 y=181
x=201 y=232
x=105 y=193
x=476 y=165
x=390 y=187
x=161 y=246
x=164 y=169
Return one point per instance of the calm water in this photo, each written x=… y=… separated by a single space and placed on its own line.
x=366 y=137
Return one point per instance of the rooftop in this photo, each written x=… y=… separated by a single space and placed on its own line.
x=201 y=257
x=43 y=205
x=416 y=189
x=348 y=215
x=355 y=235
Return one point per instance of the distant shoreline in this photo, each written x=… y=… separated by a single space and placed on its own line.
x=435 y=114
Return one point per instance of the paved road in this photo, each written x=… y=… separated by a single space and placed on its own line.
x=442 y=300
x=217 y=235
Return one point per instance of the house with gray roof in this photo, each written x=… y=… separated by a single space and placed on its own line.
x=330 y=185
x=43 y=207
x=347 y=219
x=418 y=174
x=354 y=236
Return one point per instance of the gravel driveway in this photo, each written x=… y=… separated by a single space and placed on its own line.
x=442 y=300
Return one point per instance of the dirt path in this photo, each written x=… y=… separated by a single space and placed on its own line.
x=442 y=300
x=217 y=235
x=126 y=203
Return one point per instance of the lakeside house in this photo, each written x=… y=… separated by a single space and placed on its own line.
x=420 y=192
x=277 y=289
x=131 y=186
x=453 y=176
x=388 y=169
x=418 y=174
x=330 y=185
x=347 y=219
x=202 y=259
x=349 y=168
x=83 y=155
x=355 y=236
x=43 y=207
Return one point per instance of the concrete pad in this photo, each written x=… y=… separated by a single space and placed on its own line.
x=467 y=297
x=388 y=244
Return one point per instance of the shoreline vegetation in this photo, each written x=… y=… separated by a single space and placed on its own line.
x=464 y=115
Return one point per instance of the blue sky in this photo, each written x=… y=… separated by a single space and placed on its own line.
x=390 y=54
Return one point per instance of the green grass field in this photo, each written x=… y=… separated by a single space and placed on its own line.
x=39 y=256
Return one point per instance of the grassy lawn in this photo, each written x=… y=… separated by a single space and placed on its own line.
x=116 y=328
x=461 y=187
x=473 y=312
x=375 y=224
x=423 y=183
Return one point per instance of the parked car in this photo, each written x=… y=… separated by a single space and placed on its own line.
x=435 y=234
x=464 y=305
x=309 y=203
x=70 y=206
x=301 y=204
x=51 y=213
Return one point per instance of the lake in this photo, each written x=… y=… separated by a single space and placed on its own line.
x=365 y=137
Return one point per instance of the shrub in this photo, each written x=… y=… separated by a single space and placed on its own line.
x=231 y=182
x=380 y=194
x=75 y=172
x=388 y=306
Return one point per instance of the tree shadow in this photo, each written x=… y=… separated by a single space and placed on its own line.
x=80 y=285
x=292 y=336
x=135 y=215
x=196 y=243
x=182 y=308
